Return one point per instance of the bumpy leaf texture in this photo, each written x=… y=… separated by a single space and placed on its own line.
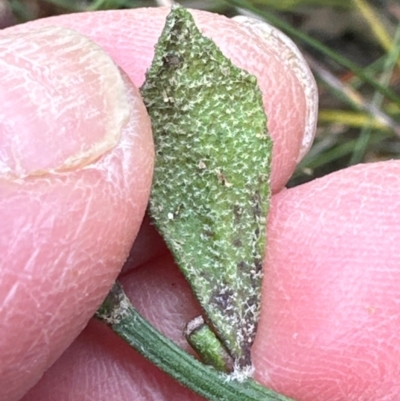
x=210 y=195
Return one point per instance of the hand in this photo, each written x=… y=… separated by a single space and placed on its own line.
x=330 y=316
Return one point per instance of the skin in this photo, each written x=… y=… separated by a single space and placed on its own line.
x=72 y=203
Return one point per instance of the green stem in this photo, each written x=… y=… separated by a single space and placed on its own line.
x=119 y=314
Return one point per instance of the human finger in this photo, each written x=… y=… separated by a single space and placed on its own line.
x=330 y=304
x=75 y=172
x=329 y=312
x=288 y=88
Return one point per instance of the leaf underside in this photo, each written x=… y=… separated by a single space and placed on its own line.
x=210 y=194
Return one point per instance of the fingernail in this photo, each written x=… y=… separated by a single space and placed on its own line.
x=292 y=58
x=63 y=102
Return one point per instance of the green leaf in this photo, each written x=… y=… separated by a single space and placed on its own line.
x=204 y=341
x=210 y=194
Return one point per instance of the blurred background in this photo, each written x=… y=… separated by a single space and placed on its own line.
x=352 y=46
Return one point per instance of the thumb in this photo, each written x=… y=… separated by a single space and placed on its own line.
x=76 y=159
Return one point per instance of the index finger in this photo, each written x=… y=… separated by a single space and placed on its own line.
x=289 y=90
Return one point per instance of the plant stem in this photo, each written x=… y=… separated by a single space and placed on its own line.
x=119 y=314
